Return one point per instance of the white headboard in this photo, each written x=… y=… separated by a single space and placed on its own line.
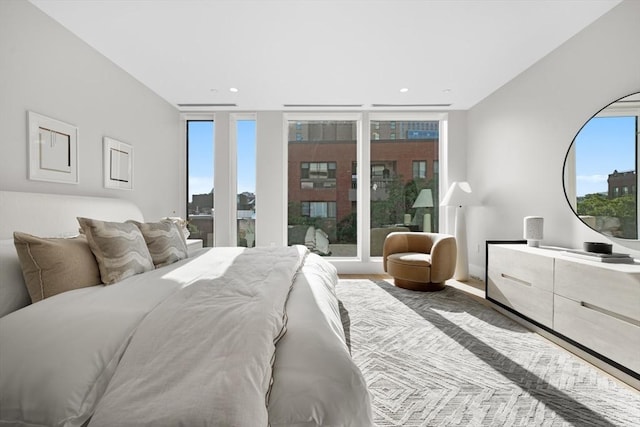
x=54 y=215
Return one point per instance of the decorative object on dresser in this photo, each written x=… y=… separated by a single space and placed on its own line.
x=533 y=230
x=460 y=195
x=598 y=247
x=611 y=258
x=589 y=307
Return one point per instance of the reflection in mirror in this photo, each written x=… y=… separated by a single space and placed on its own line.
x=600 y=170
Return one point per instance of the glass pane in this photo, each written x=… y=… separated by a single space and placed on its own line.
x=606 y=181
x=200 y=137
x=246 y=203
x=322 y=187
x=404 y=192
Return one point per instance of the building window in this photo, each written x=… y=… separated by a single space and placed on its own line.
x=318 y=209
x=419 y=169
x=318 y=175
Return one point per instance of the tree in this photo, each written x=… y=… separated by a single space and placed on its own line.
x=624 y=208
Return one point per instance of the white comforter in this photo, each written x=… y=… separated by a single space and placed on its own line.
x=58 y=356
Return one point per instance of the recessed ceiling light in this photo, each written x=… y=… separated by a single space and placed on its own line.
x=404 y=89
x=233 y=89
x=446 y=90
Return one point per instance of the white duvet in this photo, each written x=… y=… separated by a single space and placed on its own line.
x=58 y=356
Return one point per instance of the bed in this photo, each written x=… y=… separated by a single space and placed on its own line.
x=226 y=336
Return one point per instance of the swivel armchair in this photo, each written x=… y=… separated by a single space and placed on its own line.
x=419 y=261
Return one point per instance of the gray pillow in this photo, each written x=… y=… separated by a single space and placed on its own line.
x=165 y=241
x=119 y=248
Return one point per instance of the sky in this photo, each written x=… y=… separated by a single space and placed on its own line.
x=201 y=146
x=603 y=145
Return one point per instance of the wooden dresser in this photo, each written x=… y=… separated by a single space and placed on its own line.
x=590 y=305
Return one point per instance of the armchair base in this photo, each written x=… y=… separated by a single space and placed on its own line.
x=418 y=286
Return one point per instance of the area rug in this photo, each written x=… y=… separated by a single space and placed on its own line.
x=444 y=359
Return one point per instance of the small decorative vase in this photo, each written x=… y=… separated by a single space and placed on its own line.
x=533 y=230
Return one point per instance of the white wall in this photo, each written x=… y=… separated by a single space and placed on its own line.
x=271 y=181
x=46 y=69
x=519 y=135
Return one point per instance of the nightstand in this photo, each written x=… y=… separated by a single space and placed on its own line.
x=193 y=245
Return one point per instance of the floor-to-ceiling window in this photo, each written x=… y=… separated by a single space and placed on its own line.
x=244 y=128
x=404 y=178
x=322 y=196
x=400 y=154
x=200 y=186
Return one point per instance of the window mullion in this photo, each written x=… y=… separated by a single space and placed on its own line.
x=364 y=183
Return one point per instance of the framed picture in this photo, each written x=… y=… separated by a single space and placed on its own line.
x=118 y=164
x=53 y=149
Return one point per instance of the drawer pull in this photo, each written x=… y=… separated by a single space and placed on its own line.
x=515 y=279
x=610 y=313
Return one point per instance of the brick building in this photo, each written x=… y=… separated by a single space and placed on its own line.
x=621 y=183
x=323 y=166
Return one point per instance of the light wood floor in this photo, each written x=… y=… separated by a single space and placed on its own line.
x=475 y=288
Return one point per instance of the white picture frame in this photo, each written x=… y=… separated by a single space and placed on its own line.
x=53 y=149
x=117 y=164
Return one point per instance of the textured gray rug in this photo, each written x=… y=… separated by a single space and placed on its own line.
x=441 y=359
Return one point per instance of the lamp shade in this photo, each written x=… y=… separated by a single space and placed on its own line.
x=458 y=194
x=424 y=200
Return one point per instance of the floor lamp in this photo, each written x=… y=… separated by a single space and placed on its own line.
x=425 y=200
x=459 y=196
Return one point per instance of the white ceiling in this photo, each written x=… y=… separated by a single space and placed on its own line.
x=325 y=52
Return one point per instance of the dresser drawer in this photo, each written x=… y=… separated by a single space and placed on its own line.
x=613 y=337
x=531 y=301
x=615 y=288
x=518 y=263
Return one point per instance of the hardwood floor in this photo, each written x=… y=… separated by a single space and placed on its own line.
x=475 y=288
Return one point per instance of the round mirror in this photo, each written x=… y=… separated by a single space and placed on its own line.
x=600 y=170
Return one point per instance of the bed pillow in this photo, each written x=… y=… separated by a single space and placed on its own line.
x=54 y=265
x=13 y=292
x=119 y=248
x=165 y=241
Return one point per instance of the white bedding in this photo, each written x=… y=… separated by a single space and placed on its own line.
x=57 y=356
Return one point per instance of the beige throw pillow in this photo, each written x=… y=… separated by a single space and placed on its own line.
x=165 y=241
x=54 y=265
x=119 y=248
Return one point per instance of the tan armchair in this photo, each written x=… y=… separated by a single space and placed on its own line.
x=419 y=261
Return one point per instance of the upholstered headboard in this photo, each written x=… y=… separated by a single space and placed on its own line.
x=45 y=215
x=54 y=215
